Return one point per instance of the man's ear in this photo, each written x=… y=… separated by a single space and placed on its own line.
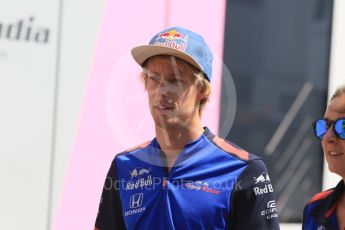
x=202 y=93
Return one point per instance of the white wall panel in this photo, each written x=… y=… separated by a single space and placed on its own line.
x=28 y=38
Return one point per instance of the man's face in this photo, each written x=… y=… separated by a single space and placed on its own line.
x=333 y=147
x=173 y=96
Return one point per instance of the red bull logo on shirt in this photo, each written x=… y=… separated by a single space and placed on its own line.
x=137 y=172
x=139 y=178
x=264 y=178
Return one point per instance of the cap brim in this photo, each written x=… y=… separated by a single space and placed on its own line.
x=142 y=53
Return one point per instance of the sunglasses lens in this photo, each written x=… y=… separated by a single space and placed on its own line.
x=339 y=128
x=320 y=128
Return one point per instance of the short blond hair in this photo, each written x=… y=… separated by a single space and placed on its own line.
x=339 y=92
x=202 y=84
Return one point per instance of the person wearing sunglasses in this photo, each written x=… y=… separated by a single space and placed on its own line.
x=326 y=210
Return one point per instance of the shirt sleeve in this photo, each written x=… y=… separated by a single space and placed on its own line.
x=253 y=204
x=306 y=217
x=110 y=211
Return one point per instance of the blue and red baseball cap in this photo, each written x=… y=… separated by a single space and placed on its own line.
x=178 y=42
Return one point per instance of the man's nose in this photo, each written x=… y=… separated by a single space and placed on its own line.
x=329 y=135
x=165 y=88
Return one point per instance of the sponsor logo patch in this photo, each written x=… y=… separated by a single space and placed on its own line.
x=173 y=35
x=135 y=203
x=201 y=186
x=136 y=200
x=263 y=184
x=139 y=178
x=172 y=39
x=270 y=211
x=263 y=178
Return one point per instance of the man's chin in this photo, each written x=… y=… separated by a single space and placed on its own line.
x=167 y=122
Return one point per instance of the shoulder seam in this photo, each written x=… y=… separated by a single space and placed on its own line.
x=243 y=154
x=320 y=196
x=141 y=146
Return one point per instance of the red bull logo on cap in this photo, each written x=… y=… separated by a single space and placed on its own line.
x=173 y=35
x=172 y=39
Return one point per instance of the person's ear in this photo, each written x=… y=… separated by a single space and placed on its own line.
x=202 y=93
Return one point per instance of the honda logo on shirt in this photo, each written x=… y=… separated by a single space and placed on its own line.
x=136 y=200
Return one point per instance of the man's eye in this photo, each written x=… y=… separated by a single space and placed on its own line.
x=153 y=78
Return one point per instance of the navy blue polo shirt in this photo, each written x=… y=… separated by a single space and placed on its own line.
x=212 y=185
x=320 y=211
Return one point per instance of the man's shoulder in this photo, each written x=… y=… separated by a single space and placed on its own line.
x=233 y=149
x=320 y=196
x=134 y=149
x=318 y=205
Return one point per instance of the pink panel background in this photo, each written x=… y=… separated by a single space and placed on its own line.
x=115 y=115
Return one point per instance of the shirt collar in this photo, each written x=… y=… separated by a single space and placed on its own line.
x=187 y=149
x=326 y=207
x=206 y=133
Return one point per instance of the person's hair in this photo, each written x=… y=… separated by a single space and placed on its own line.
x=202 y=84
x=339 y=92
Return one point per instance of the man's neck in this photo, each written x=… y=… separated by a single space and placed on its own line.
x=172 y=140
